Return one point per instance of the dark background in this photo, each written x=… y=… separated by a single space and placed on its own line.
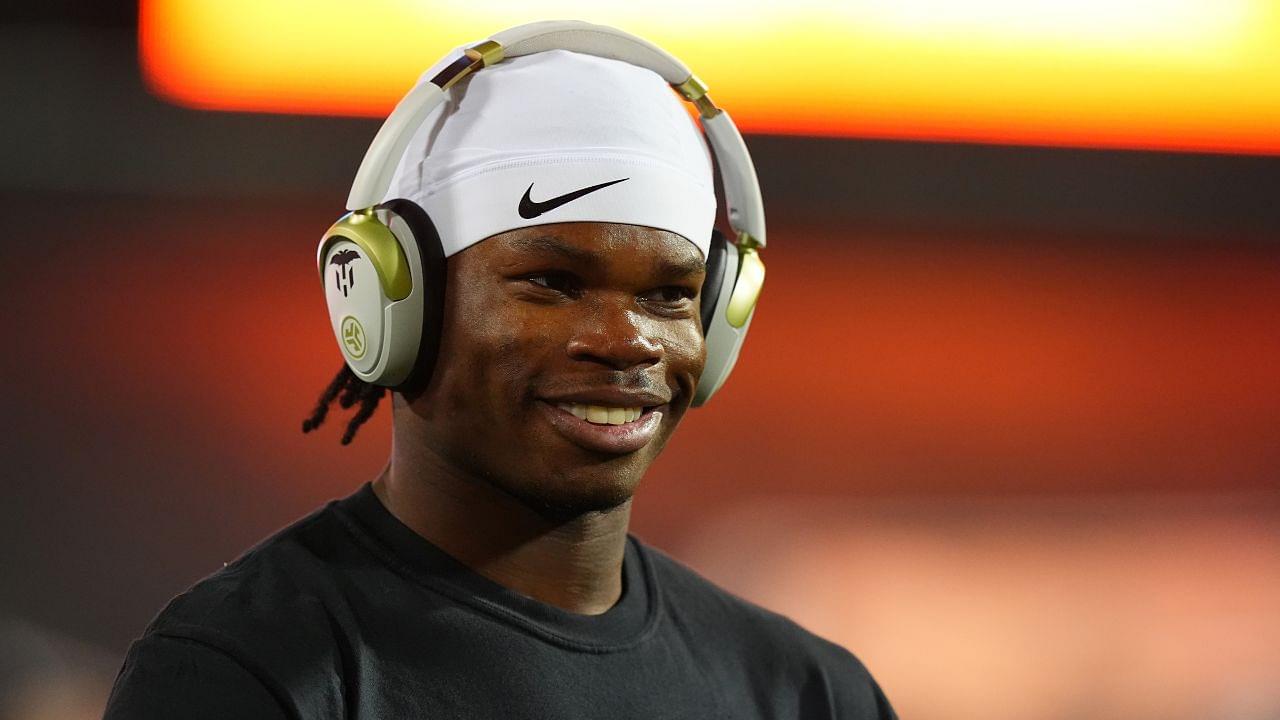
x=1004 y=411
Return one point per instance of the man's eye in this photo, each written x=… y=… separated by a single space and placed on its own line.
x=558 y=282
x=673 y=294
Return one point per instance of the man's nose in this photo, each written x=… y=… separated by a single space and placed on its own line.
x=614 y=335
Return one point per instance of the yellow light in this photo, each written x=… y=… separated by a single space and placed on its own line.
x=1176 y=26
x=1200 y=75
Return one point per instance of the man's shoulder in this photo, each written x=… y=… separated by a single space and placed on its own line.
x=279 y=592
x=771 y=644
x=693 y=593
x=261 y=634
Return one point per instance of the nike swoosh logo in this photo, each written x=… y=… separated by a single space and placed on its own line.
x=529 y=209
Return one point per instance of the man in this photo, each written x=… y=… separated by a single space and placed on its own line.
x=487 y=572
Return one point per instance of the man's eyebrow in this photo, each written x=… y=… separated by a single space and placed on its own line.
x=665 y=267
x=554 y=245
x=677 y=268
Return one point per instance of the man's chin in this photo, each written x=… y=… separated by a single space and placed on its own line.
x=563 y=512
x=569 y=497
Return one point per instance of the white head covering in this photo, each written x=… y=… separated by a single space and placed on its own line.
x=549 y=124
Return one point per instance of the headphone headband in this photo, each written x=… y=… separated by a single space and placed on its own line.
x=741 y=188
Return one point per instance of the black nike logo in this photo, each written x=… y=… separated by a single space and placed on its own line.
x=530 y=209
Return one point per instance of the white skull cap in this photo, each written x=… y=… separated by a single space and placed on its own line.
x=558 y=136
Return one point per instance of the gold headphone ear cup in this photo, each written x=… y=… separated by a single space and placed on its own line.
x=372 y=281
x=746 y=288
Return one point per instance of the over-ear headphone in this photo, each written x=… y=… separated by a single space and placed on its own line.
x=389 y=321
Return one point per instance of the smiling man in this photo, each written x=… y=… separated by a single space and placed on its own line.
x=488 y=572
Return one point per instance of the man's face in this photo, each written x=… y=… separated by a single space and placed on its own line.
x=545 y=324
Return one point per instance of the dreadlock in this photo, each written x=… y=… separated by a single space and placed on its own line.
x=349 y=390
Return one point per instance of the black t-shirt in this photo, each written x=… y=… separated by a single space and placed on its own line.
x=349 y=613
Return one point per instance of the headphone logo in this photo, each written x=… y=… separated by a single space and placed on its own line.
x=344 y=276
x=353 y=337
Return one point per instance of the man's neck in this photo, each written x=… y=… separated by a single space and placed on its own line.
x=575 y=565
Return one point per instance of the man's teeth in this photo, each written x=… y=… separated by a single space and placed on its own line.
x=601 y=415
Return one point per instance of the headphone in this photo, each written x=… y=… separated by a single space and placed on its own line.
x=387 y=327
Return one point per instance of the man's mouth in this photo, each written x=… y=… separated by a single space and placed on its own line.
x=604 y=428
x=602 y=415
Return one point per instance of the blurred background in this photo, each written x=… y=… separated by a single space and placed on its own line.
x=1007 y=426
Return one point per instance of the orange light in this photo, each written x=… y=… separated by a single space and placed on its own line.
x=1193 y=75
